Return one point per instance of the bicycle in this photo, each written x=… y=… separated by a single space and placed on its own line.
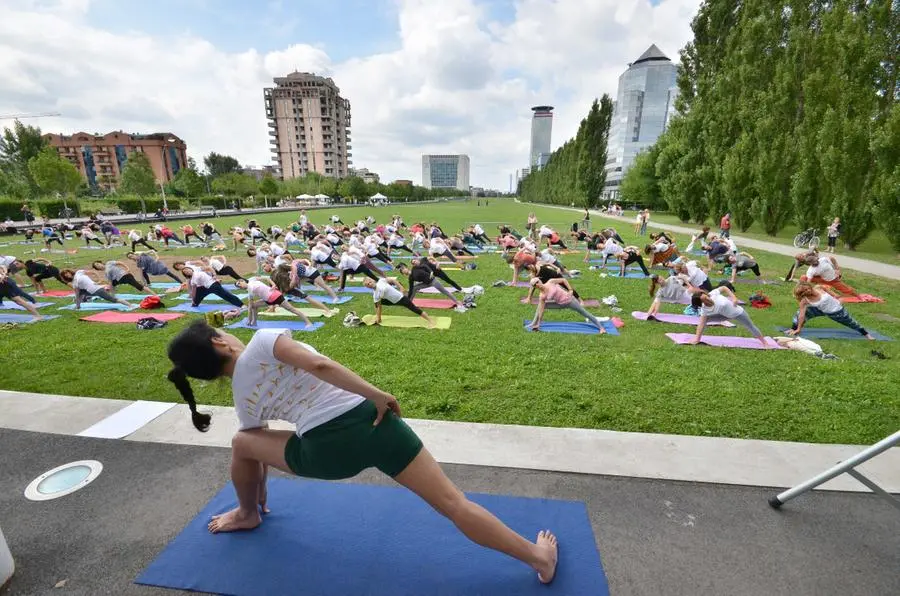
x=807 y=239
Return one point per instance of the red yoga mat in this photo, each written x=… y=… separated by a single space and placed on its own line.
x=57 y=293
x=111 y=316
x=860 y=298
x=433 y=303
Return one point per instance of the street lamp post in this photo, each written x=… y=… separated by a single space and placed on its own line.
x=165 y=171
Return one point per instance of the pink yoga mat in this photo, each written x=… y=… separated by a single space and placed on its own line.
x=679 y=319
x=591 y=302
x=433 y=303
x=57 y=293
x=688 y=301
x=750 y=343
x=110 y=316
x=860 y=299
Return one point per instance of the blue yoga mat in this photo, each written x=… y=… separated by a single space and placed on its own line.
x=164 y=284
x=135 y=297
x=292 y=325
x=97 y=306
x=6 y=318
x=336 y=538
x=324 y=299
x=836 y=333
x=356 y=290
x=628 y=275
x=572 y=327
x=210 y=297
x=186 y=307
x=13 y=306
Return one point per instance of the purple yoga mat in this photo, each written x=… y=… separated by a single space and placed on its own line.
x=688 y=301
x=750 y=343
x=757 y=281
x=679 y=319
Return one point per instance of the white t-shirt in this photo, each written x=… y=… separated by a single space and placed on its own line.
x=355 y=241
x=722 y=307
x=825 y=270
x=81 y=281
x=385 y=291
x=335 y=219
x=545 y=231
x=695 y=274
x=216 y=264
x=527 y=244
x=349 y=262
x=202 y=278
x=673 y=289
x=827 y=303
x=611 y=248
x=276 y=229
x=7 y=260
x=114 y=271
x=261 y=256
x=546 y=256
x=265 y=388
x=478 y=229
x=371 y=247
x=437 y=247
x=291 y=238
x=134 y=235
x=328 y=229
x=277 y=249
x=333 y=238
x=395 y=240
x=258 y=289
x=319 y=254
x=303 y=220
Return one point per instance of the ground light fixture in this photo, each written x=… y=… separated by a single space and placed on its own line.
x=63 y=480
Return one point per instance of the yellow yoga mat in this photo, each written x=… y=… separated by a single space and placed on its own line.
x=309 y=312
x=394 y=321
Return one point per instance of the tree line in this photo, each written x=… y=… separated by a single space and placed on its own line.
x=789 y=113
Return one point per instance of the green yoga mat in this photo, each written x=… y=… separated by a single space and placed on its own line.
x=309 y=312
x=395 y=321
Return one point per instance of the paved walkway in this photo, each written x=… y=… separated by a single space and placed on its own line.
x=583 y=451
x=847 y=262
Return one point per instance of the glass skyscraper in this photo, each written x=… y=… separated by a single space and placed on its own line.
x=541 y=129
x=645 y=101
x=445 y=171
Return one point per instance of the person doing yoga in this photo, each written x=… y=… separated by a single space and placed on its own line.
x=203 y=283
x=86 y=286
x=149 y=264
x=629 y=255
x=816 y=302
x=721 y=305
x=351 y=263
x=561 y=293
x=825 y=271
x=89 y=236
x=136 y=237
x=456 y=243
x=396 y=242
x=167 y=234
x=117 y=273
x=220 y=265
x=697 y=277
x=302 y=270
x=742 y=262
x=262 y=295
x=423 y=276
x=437 y=247
x=675 y=289
x=38 y=270
x=662 y=252
x=388 y=290
x=521 y=260
x=343 y=426
x=373 y=250
x=547 y=257
x=10 y=290
x=282 y=278
x=323 y=253
x=545 y=272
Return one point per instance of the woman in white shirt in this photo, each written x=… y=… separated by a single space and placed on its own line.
x=438 y=248
x=721 y=305
x=373 y=249
x=88 y=234
x=353 y=263
x=388 y=290
x=816 y=302
x=675 y=289
x=343 y=426
x=323 y=253
x=220 y=265
x=203 y=282
x=117 y=273
x=86 y=286
x=136 y=238
x=396 y=242
x=291 y=239
x=275 y=232
x=261 y=294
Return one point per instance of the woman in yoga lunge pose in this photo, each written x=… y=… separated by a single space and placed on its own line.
x=373 y=250
x=117 y=273
x=149 y=265
x=86 y=286
x=825 y=271
x=523 y=259
x=629 y=255
x=396 y=242
x=721 y=305
x=203 y=282
x=456 y=243
x=343 y=426
x=137 y=237
x=275 y=231
x=261 y=294
x=282 y=278
x=675 y=289
x=323 y=253
x=37 y=270
x=561 y=293
x=220 y=265
x=545 y=272
x=742 y=262
x=438 y=248
x=390 y=291
x=89 y=236
x=352 y=263
x=299 y=271
x=10 y=290
x=188 y=231
x=167 y=234
x=816 y=302
x=662 y=252
x=422 y=275
x=696 y=276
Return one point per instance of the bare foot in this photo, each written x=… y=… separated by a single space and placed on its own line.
x=234 y=521
x=869 y=337
x=546 y=543
x=263 y=497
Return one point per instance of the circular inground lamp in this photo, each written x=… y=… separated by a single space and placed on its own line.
x=63 y=480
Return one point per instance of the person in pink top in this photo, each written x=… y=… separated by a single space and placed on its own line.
x=560 y=292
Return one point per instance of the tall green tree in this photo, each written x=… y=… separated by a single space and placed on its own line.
x=640 y=186
x=53 y=174
x=268 y=185
x=591 y=173
x=137 y=176
x=235 y=184
x=353 y=187
x=188 y=182
x=18 y=145
x=217 y=164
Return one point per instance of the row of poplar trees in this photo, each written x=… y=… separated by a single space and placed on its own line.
x=790 y=113
x=575 y=172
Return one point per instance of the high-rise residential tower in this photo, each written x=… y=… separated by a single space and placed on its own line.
x=645 y=102
x=445 y=171
x=309 y=126
x=541 y=128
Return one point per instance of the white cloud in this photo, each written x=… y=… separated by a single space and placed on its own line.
x=458 y=82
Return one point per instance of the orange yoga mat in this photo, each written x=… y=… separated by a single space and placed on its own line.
x=111 y=316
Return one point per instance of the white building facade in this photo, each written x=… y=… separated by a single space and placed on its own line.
x=445 y=171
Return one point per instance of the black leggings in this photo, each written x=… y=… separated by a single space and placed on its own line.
x=439 y=273
x=754 y=269
x=134 y=244
x=130 y=280
x=9 y=289
x=101 y=293
x=633 y=258
x=403 y=247
x=87 y=241
x=169 y=273
x=200 y=293
x=51 y=271
x=361 y=269
x=227 y=270
x=381 y=257
x=173 y=237
x=329 y=261
x=187 y=237
x=560 y=244
x=404 y=302
x=54 y=238
x=449 y=255
x=465 y=250
x=706 y=285
x=253 y=239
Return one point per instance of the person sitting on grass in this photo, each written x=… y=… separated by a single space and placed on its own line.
x=389 y=290
x=721 y=305
x=86 y=286
x=261 y=294
x=9 y=289
x=816 y=302
x=117 y=273
x=561 y=293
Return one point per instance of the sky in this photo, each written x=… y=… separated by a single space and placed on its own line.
x=422 y=76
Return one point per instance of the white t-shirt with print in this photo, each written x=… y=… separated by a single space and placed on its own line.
x=265 y=388
x=722 y=306
x=385 y=291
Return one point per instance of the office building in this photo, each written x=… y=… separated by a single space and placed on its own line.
x=367 y=175
x=309 y=126
x=541 y=129
x=101 y=158
x=445 y=171
x=645 y=102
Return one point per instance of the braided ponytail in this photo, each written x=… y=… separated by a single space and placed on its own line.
x=180 y=380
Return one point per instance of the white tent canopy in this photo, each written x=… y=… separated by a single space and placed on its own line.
x=321 y=196
x=304 y=196
x=378 y=195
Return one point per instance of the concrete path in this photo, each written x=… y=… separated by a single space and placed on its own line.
x=847 y=262
x=641 y=455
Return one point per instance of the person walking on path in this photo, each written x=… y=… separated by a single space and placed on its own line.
x=834 y=231
x=725 y=226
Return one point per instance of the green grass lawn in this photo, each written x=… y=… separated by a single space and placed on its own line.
x=486 y=368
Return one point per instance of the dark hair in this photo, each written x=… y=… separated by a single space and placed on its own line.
x=281 y=277
x=67 y=275
x=95 y=263
x=654 y=283
x=697 y=300
x=193 y=355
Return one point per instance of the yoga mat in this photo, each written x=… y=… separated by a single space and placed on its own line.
x=14 y=306
x=590 y=302
x=309 y=312
x=679 y=319
x=127 y=420
x=436 y=291
x=5 y=318
x=56 y=293
x=292 y=325
x=210 y=297
x=406 y=322
x=756 y=281
x=836 y=333
x=688 y=301
x=98 y=306
x=573 y=327
x=750 y=343
x=323 y=298
x=135 y=297
x=433 y=303
x=186 y=307
x=628 y=275
x=518 y=284
x=129 y=317
x=165 y=284
x=339 y=538
x=356 y=290
x=862 y=298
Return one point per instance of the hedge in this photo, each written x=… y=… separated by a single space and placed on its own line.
x=12 y=208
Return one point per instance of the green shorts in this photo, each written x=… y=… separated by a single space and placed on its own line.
x=347 y=445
